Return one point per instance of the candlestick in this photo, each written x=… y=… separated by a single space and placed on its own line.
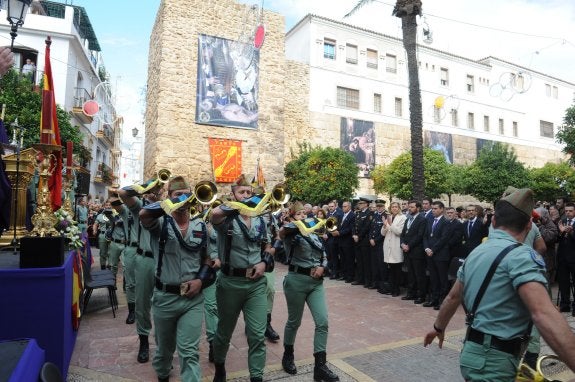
x=69 y=149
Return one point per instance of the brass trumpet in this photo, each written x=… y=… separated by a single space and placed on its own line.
x=279 y=194
x=214 y=204
x=331 y=224
x=164 y=175
x=206 y=192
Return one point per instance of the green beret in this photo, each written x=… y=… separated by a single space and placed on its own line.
x=178 y=183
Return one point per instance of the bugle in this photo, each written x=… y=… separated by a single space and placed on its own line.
x=279 y=194
x=331 y=224
x=164 y=175
x=206 y=192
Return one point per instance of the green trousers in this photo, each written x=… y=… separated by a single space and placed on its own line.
x=210 y=311
x=481 y=363
x=300 y=290
x=271 y=289
x=129 y=263
x=235 y=295
x=114 y=253
x=103 y=248
x=144 y=289
x=178 y=324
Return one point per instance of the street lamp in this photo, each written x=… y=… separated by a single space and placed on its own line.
x=135 y=132
x=17 y=10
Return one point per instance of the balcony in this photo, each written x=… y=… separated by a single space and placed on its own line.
x=104 y=174
x=81 y=96
x=106 y=134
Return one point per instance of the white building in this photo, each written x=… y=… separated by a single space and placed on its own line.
x=77 y=70
x=360 y=74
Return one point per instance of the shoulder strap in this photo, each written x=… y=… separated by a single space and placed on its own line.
x=487 y=280
x=163 y=240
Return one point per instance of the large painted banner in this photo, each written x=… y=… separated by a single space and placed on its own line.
x=358 y=138
x=441 y=142
x=480 y=144
x=226 y=159
x=227 y=88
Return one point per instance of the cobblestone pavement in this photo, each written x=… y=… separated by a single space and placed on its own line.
x=372 y=337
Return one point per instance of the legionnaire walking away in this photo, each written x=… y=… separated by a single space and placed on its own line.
x=82 y=215
x=101 y=224
x=182 y=272
x=143 y=263
x=116 y=236
x=241 y=286
x=502 y=284
x=304 y=284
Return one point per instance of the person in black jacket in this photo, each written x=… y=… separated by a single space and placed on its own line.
x=344 y=241
x=379 y=269
x=566 y=258
x=333 y=256
x=363 y=274
x=412 y=246
x=474 y=230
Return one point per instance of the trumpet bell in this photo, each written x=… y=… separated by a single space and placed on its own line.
x=164 y=175
x=279 y=194
x=206 y=192
x=331 y=224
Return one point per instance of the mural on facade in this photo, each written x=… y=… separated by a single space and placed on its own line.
x=481 y=143
x=440 y=142
x=227 y=87
x=358 y=138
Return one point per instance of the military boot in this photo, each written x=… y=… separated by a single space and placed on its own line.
x=144 y=351
x=220 y=375
x=131 y=313
x=270 y=333
x=321 y=373
x=211 y=352
x=288 y=360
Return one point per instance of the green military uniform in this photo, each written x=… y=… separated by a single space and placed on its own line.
x=501 y=313
x=177 y=319
x=82 y=217
x=236 y=293
x=129 y=255
x=117 y=236
x=103 y=225
x=210 y=304
x=300 y=288
x=144 y=266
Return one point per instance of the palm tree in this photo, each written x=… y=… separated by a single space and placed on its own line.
x=408 y=10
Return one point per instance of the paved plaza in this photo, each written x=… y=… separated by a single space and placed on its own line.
x=372 y=337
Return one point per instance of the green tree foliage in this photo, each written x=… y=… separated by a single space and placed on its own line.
x=552 y=180
x=320 y=174
x=398 y=175
x=23 y=101
x=455 y=180
x=496 y=168
x=566 y=134
x=379 y=182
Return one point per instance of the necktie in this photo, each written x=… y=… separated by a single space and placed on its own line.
x=434 y=224
x=569 y=222
x=469 y=228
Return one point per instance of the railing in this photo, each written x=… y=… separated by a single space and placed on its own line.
x=81 y=96
x=104 y=174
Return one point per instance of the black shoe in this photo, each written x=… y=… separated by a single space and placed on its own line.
x=220 y=375
x=355 y=283
x=270 y=333
x=573 y=313
x=437 y=307
x=165 y=379
x=144 y=351
x=332 y=277
x=103 y=266
x=565 y=308
x=131 y=313
x=348 y=281
x=211 y=353
x=288 y=363
x=419 y=301
x=429 y=304
x=408 y=297
x=256 y=379
x=395 y=294
x=531 y=359
x=321 y=373
x=341 y=278
x=372 y=287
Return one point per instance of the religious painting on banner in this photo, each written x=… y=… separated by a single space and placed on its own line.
x=480 y=144
x=228 y=83
x=441 y=142
x=226 y=159
x=358 y=139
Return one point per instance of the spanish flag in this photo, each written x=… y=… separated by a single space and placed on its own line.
x=49 y=131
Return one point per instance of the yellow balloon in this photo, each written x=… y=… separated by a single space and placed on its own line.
x=439 y=101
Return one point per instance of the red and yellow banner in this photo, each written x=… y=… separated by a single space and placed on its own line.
x=226 y=159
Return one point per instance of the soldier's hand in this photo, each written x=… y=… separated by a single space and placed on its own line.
x=429 y=337
x=355 y=238
x=318 y=272
x=372 y=242
x=216 y=264
x=193 y=288
x=258 y=271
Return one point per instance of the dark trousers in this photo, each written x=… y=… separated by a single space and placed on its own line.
x=379 y=271
x=363 y=271
x=347 y=255
x=417 y=280
x=565 y=278
x=332 y=253
x=395 y=275
x=438 y=278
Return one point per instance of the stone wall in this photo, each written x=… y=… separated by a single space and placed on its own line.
x=174 y=140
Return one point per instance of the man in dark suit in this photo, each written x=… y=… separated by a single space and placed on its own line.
x=333 y=256
x=344 y=241
x=566 y=258
x=363 y=274
x=436 y=244
x=474 y=230
x=426 y=209
x=412 y=246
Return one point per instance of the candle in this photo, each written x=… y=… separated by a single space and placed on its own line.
x=69 y=149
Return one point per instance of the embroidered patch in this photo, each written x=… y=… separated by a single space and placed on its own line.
x=537 y=258
x=198 y=234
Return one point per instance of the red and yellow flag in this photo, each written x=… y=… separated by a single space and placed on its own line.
x=49 y=131
x=77 y=289
x=226 y=159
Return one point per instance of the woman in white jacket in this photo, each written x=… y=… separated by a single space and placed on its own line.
x=392 y=253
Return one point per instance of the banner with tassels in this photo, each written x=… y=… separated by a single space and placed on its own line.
x=226 y=159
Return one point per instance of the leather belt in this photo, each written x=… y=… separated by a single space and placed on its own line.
x=300 y=270
x=168 y=288
x=512 y=346
x=236 y=272
x=140 y=251
x=134 y=244
x=119 y=241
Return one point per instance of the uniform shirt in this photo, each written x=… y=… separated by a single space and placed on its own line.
x=501 y=311
x=212 y=242
x=178 y=263
x=375 y=228
x=130 y=224
x=143 y=237
x=82 y=214
x=103 y=223
x=304 y=253
x=119 y=232
x=244 y=252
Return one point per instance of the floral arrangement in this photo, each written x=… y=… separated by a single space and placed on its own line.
x=68 y=228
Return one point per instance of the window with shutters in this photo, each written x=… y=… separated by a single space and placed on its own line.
x=376 y=103
x=372 y=58
x=329 y=49
x=546 y=129
x=398 y=107
x=351 y=54
x=444 y=77
x=390 y=63
x=348 y=98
